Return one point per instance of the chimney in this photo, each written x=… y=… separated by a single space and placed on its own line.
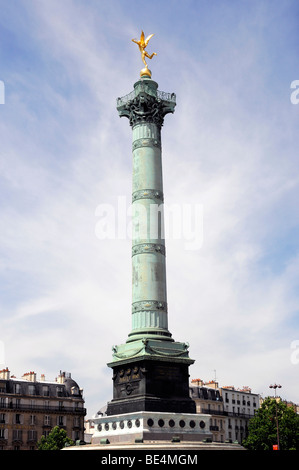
x=30 y=376
x=42 y=377
x=245 y=389
x=197 y=382
x=61 y=378
x=5 y=374
x=212 y=384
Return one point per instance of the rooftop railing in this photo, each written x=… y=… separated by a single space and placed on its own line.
x=143 y=88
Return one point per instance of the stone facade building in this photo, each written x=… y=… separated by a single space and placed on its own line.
x=209 y=400
x=31 y=408
x=230 y=408
x=239 y=405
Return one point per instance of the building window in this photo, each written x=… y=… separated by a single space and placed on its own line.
x=31 y=389
x=17 y=388
x=2 y=418
x=32 y=419
x=60 y=420
x=47 y=420
x=76 y=421
x=59 y=391
x=32 y=435
x=17 y=434
x=46 y=391
x=18 y=419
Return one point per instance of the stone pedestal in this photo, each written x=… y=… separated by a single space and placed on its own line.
x=151 y=386
x=146 y=426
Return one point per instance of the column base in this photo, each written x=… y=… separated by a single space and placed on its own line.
x=135 y=427
x=149 y=334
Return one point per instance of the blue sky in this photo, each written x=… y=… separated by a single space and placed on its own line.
x=231 y=147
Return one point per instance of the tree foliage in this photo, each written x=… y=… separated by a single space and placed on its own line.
x=262 y=429
x=56 y=440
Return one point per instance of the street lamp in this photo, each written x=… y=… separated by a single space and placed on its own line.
x=275 y=386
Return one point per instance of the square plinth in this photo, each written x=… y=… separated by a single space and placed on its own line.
x=151 y=385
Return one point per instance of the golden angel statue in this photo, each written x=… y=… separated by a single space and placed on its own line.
x=142 y=43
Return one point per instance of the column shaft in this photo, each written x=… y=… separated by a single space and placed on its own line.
x=149 y=297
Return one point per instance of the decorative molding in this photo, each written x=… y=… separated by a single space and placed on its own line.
x=146 y=142
x=145 y=107
x=143 y=248
x=126 y=355
x=160 y=352
x=147 y=305
x=154 y=194
x=146 y=347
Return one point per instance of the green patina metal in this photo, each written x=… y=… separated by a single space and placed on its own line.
x=146 y=107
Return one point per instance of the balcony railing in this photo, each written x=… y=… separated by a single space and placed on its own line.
x=43 y=408
x=213 y=412
x=161 y=95
x=226 y=413
x=239 y=415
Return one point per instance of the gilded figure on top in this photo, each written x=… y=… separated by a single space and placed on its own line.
x=142 y=44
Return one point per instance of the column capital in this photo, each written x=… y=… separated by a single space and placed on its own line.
x=146 y=104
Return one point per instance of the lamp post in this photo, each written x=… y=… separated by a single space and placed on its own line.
x=275 y=386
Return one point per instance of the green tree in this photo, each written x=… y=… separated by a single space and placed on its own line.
x=56 y=440
x=262 y=428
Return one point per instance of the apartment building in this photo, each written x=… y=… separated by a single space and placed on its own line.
x=209 y=400
x=230 y=408
x=240 y=405
x=30 y=408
